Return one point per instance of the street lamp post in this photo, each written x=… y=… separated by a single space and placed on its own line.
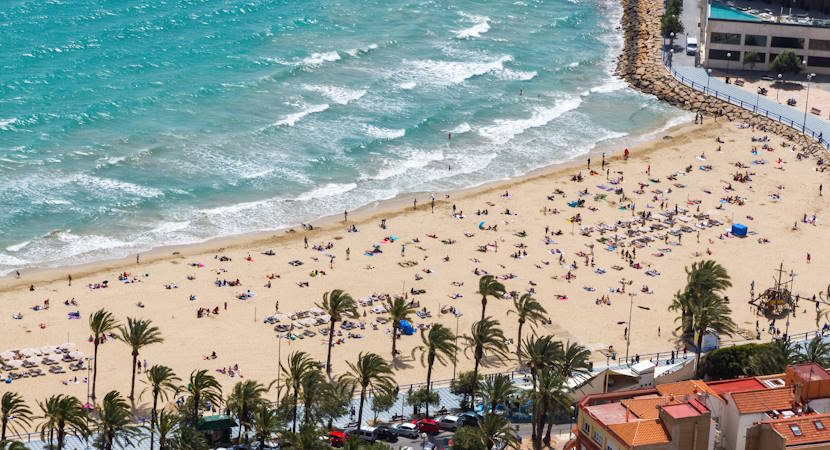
x=778 y=90
x=728 y=57
x=806 y=100
x=708 y=77
x=628 y=335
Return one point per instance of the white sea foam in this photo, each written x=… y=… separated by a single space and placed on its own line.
x=515 y=75
x=385 y=133
x=611 y=84
x=461 y=128
x=481 y=25
x=339 y=95
x=503 y=130
x=171 y=227
x=319 y=58
x=407 y=85
x=455 y=72
x=413 y=159
x=291 y=119
x=327 y=190
x=574 y=65
x=108 y=185
x=18 y=247
x=6 y=124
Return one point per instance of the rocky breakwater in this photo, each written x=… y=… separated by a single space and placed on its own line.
x=641 y=65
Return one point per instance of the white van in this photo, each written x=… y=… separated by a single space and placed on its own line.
x=369 y=434
x=691 y=46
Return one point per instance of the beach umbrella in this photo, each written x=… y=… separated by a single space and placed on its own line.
x=47 y=349
x=15 y=363
x=7 y=355
x=68 y=347
x=32 y=360
x=49 y=359
x=76 y=354
x=29 y=352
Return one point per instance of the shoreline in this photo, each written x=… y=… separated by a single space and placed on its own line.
x=391 y=207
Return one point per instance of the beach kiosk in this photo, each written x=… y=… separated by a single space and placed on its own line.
x=216 y=429
x=407 y=328
x=739 y=229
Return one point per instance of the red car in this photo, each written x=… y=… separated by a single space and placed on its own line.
x=338 y=438
x=427 y=426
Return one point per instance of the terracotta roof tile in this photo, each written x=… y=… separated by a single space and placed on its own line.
x=641 y=432
x=646 y=408
x=749 y=402
x=811 y=429
x=687 y=387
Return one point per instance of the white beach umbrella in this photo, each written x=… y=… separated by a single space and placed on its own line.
x=76 y=354
x=32 y=360
x=47 y=349
x=29 y=352
x=7 y=355
x=16 y=363
x=68 y=347
x=50 y=358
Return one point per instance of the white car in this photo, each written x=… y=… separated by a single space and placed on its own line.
x=691 y=46
x=407 y=429
x=449 y=422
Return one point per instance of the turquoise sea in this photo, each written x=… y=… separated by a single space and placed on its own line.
x=128 y=124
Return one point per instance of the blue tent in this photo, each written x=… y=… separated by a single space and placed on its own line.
x=739 y=229
x=406 y=328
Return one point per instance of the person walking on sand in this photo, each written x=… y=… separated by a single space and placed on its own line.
x=414 y=203
x=348 y=252
x=403 y=250
x=820 y=187
x=432 y=203
x=808 y=258
x=625 y=155
x=70 y=279
x=137 y=258
x=589 y=163
x=345 y=216
x=603 y=160
x=305 y=241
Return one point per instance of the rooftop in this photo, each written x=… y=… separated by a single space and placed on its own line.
x=685 y=410
x=646 y=408
x=607 y=413
x=759 y=11
x=810 y=372
x=800 y=430
x=750 y=402
x=685 y=388
x=641 y=432
x=737 y=385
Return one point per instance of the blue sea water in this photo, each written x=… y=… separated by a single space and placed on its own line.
x=128 y=124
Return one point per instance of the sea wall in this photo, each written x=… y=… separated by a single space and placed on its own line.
x=641 y=65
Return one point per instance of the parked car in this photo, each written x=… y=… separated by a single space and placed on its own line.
x=387 y=433
x=338 y=438
x=427 y=426
x=409 y=430
x=367 y=434
x=449 y=422
x=468 y=418
x=691 y=46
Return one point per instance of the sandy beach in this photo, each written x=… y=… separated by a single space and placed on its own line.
x=529 y=239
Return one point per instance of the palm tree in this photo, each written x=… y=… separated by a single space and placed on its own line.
x=816 y=351
x=13 y=409
x=399 y=310
x=573 y=361
x=496 y=429
x=244 y=396
x=62 y=413
x=161 y=382
x=265 y=421
x=773 y=357
x=165 y=424
x=138 y=333
x=528 y=310
x=300 y=364
x=114 y=423
x=188 y=438
x=370 y=371
x=488 y=286
x=312 y=388
x=203 y=387
x=337 y=304
x=710 y=313
x=101 y=322
x=551 y=393
x=437 y=344
x=541 y=354
x=486 y=339
x=496 y=389
x=12 y=445
x=704 y=278
x=337 y=397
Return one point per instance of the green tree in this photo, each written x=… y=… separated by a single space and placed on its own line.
x=489 y=286
x=674 y=7
x=574 y=361
x=496 y=430
x=138 y=333
x=728 y=362
x=750 y=59
x=464 y=385
x=114 y=422
x=816 y=351
x=161 y=382
x=188 y=438
x=382 y=402
x=496 y=389
x=712 y=313
x=337 y=398
x=298 y=366
x=62 y=414
x=164 y=426
x=528 y=310
x=13 y=411
x=265 y=422
x=338 y=305
x=12 y=445
x=313 y=388
x=399 y=310
x=370 y=371
x=541 y=355
x=203 y=389
x=242 y=399
x=670 y=23
x=486 y=339
x=773 y=358
x=550 y=395
x=786 y=62
x=437 y=344
x=420 y=397
x=101 y=322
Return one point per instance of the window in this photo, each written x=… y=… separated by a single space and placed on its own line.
x=755 y=40
x=796 y=430
x=597 y=437
x=722 y=54
x=819 y=425
x=818 y=61
x=787 y=42
x=610 y=446
x=586 y=427
x=725 y=38
x=819 y=44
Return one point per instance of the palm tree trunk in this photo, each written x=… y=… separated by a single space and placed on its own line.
x=535 y=432
x=360 y=410
x=475 y=381
x=698 y=349
x=132 y=383
x=153 y=418
x=3 y=431
x=95 y=367
x=60 y=435
x=262 y=440
x=394 y=338
x=328 y=357
x=429 y=377
x=546 y=440
x=518 y=346
x=483 y=305
x=196 y=410
x=294 y=412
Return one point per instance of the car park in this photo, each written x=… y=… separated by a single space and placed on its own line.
x=409 y=430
